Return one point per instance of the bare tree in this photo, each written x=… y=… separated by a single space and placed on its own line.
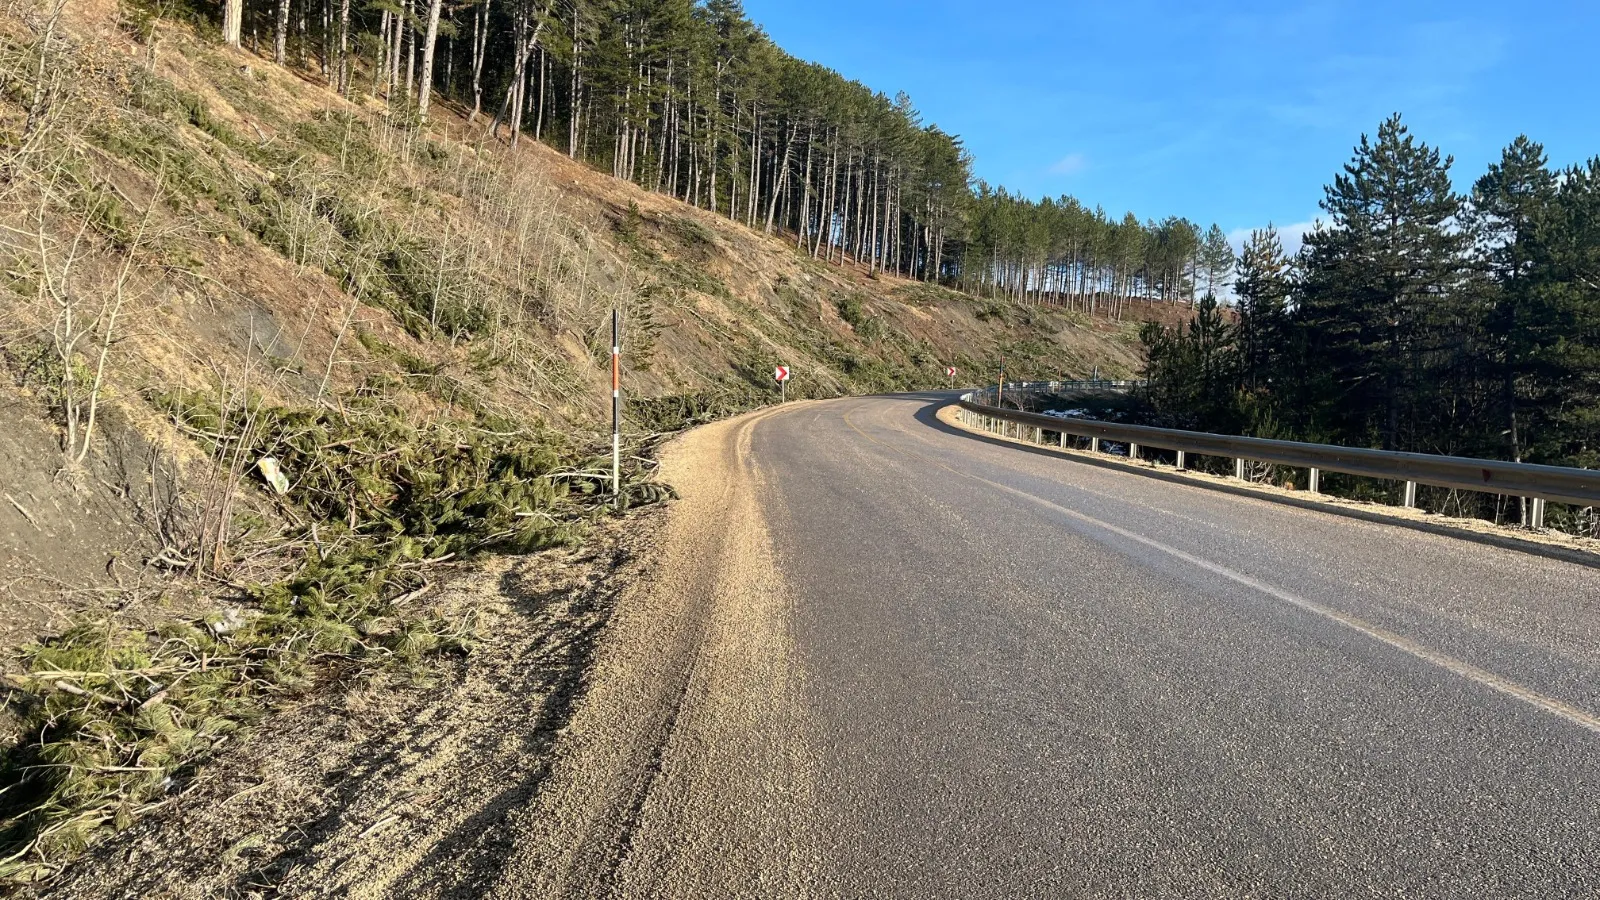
x=344 y=47
x=426 y=87
x=232 y=21
x=480 y=38
x=280 y=47
x=530 y=21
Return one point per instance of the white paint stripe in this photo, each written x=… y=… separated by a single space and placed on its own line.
x=1483 y=677
x=1449 y=663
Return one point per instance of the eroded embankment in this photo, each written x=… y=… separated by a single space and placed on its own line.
x=617 y=681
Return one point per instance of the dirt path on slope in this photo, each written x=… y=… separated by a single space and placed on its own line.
x=618 y=683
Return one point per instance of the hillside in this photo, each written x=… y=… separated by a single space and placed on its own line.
x=261 y=233
x=212 y=261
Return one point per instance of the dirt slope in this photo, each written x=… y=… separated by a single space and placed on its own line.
x=523 y=772
x=262 y=236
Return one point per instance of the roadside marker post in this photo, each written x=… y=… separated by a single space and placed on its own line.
x=616 y=407
x=780 y=374
x=950 y=371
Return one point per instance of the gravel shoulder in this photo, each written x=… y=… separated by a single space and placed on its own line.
x=527 y=769
x=688 y=770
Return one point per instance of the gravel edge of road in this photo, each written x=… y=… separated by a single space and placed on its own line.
x=698 y=642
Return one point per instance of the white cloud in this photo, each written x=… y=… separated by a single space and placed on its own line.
x=1291 y=236
x=1070 y=164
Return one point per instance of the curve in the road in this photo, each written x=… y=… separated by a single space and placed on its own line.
x=915 y=663
x=1450 y=664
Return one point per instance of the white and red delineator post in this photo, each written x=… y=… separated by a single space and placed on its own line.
x=950 y=371
x=616 y=407
x=780 y=374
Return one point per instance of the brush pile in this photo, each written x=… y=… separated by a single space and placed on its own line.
x=115 y=719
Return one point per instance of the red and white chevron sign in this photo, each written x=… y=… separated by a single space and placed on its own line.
x=780 y=374
x=950 y=370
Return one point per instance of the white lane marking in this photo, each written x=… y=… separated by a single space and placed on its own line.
x=1404 y=644
x=1461 y=668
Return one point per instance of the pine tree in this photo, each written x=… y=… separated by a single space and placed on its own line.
x=1379 y=287
x=1216 y=258
x=1262 y=289
x=1506 y=206
x=1192 y=373
x=1565 y=275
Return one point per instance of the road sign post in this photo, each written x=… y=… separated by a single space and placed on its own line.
x=616 y=407
x=950 y=371
x=780 y=374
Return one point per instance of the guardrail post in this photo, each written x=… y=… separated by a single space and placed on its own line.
x=1535 y=485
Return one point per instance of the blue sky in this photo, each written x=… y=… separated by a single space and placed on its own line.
x=1235 y=113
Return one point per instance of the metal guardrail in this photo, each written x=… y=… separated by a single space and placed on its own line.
x=1059 y=387
x=1561 y=484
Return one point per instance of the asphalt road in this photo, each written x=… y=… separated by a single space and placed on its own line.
x=994 y=672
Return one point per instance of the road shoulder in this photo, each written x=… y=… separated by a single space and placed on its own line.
x=696 y=683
